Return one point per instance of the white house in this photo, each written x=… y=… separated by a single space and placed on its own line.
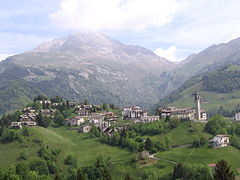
x=16 y=125
x=150 y=118
x=86 y=129
x=134 y=112
x=220 y=140
x=237 y=116
x=76 y=121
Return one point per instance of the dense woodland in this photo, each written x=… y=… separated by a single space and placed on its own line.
x=222 y=81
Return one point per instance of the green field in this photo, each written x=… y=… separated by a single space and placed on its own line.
x=182 y=134
x=211 y=100
x=85 y=148
x=203 y=155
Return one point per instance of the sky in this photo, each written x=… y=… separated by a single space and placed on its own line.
x=173 y=29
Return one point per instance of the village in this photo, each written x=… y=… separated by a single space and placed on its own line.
x=87 y=116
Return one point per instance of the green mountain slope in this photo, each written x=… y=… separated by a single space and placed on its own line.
x=16 y=94
x=220 y=88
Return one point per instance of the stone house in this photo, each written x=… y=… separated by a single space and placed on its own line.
x=220 y=140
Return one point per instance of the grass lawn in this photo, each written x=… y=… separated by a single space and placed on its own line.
x=203 y=155
x=10 y=152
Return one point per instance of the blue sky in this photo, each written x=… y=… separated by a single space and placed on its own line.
x=173 y=29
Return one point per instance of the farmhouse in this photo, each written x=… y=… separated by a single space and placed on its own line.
x=220 y=140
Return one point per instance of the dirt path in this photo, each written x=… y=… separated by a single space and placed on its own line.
x=163 y=159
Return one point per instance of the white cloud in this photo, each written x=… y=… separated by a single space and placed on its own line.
x=167 y=53
x=4 y=56
x=203 y=23
x=114 y=14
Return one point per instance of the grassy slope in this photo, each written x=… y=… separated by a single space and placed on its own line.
x=181 y=134
x=85 y=148
x=213 y=100
x=203 y=155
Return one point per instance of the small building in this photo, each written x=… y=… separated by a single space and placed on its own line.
x=134 y=112
x=76 y=121
x=30 y=123
x=203 y=115
x=183 y=114
x=220 y=140
x=86 y=129
x=24 y=118
x=144 y=155
x=237 y=117
x=150 y=118
x=16 y=125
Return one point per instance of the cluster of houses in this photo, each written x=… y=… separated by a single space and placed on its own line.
x=28 y=118
x=191 y=114
x=137 y=114
x=88 y=116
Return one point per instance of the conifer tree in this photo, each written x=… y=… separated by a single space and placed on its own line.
x=223 y=171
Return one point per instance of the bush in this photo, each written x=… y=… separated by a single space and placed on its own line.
x=39 y=165
x=153 y=150
x=22 y=156
x=10 y=135
x=70 y=161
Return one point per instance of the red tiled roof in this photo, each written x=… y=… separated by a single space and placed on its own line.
x=212 y=165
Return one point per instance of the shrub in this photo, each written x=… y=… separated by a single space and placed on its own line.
x=70 y=161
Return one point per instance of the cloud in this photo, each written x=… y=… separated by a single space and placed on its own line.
x=169 y=53
x=4 y=56
x=202 y=23
x=114 y=14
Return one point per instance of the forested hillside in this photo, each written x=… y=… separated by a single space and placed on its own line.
x=219 y=89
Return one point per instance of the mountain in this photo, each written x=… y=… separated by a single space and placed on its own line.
x=219 y=89
x=89 y=65
x=211 y=58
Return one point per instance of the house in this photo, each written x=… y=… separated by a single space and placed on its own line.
x=150 y=118
x=30 y=123
x=48 y=102
x=48 y=112
x=24 y=118
x=76 y=121
x=134 y=112
x=183 y=114
x=97 y=116
x=88 y=106
x=86 y=129
x=16 y=125
x=203 y=115
x=195 y=113
x=144 y=155
x=29 y=110
x=220 y=140
x=82 y=112
x=237 y=117
x=72 y=103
